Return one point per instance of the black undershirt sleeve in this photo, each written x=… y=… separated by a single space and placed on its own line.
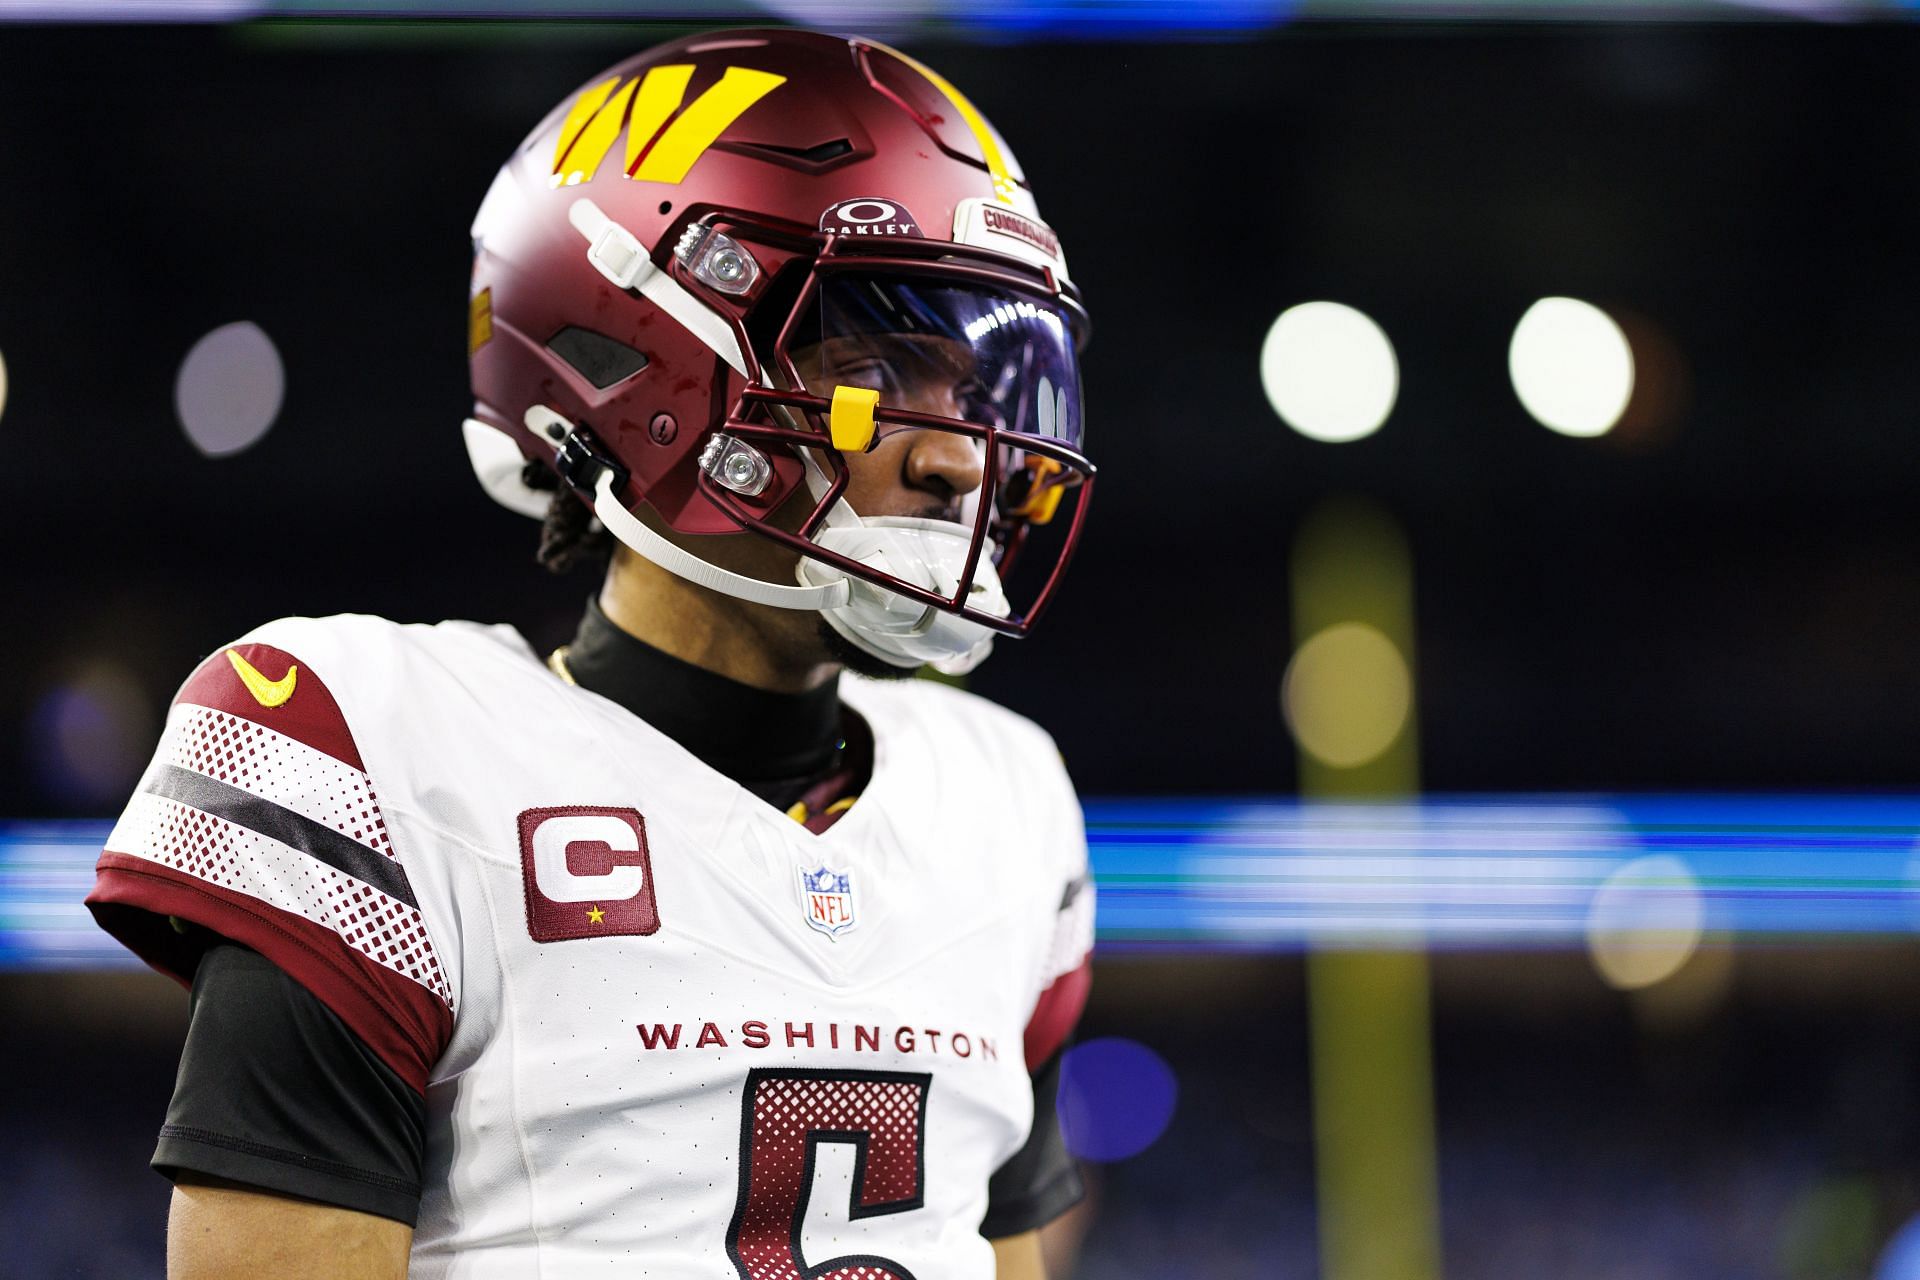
x=275 y=1092
x=1042 y=1181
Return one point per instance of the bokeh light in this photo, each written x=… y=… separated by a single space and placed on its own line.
x=1645 y=921
x=1329 y=371
x=1900 y=1260
x=1346 y=694
x=1116 y=1098
x=1572 y=366
x=3 y=385
x=230 y=389
x=1693 y=993
x=89 y=735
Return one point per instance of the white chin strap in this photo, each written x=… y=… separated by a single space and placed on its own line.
x=904 y=633
x=624 y=525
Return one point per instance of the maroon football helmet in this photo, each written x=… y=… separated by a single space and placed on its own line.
x=705 y=278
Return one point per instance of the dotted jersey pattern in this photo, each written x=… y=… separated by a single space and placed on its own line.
x=294 y=776
x=1072 y=936
x=277 y=768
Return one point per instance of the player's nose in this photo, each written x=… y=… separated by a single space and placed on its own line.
x=943 y=463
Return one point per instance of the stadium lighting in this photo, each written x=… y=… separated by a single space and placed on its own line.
x=1900 y=1260
x=230 y=389
x=1329 y=371
x=131 y=10
x=1346 y=694
x=1572 y=367
x=1645 y=922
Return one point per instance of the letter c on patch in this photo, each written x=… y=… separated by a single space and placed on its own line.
x=555 y=838
x=586 y=873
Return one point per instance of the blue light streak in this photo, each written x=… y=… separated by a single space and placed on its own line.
x=1492 y=871
x=1483 y=872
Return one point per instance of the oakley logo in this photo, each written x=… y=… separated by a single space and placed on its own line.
x=586 y=873
x=663 y=141
x=868 y=216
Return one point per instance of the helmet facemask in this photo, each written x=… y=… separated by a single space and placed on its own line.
x=877 y=346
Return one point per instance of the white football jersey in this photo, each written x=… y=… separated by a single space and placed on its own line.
x=662 y=1028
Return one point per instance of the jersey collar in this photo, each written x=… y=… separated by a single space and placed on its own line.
x=761 y=739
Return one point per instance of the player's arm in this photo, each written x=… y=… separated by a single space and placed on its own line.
x=1018 y=1257
x=254 y=863
x=1042 y=1180
x=219 y=1231
x=293 y=1149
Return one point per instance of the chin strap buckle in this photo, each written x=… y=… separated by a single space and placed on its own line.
x=582 y=460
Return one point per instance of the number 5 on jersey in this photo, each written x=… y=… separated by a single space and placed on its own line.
x=785 y=1114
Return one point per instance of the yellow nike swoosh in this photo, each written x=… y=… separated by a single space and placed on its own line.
x=268 y=693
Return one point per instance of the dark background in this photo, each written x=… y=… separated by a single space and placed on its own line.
x=1720 y=594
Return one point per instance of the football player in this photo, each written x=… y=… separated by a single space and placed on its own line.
x=671 y=953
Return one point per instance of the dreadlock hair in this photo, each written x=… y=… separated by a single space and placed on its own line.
x=570 y=537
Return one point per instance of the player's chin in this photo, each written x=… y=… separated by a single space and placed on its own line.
x=858 y=660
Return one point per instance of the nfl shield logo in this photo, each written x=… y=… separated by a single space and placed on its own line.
x=827 y=897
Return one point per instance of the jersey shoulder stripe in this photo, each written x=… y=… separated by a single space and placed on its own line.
x=1067 y=974
x=258 y=822
x=301 y=707
x=288 y=827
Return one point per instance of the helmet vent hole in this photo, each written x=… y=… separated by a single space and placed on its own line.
x=599 y=359
x=666 y=206
x=818 y=156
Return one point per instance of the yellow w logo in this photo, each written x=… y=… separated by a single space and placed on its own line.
x=594 y=122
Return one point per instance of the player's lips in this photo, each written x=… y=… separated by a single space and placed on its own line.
x=925 y=511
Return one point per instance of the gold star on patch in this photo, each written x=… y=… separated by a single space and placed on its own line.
x=595 y=915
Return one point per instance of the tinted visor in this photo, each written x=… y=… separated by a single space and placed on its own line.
x=960 y=350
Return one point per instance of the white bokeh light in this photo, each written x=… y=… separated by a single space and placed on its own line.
x=1329 y=371
x=3 y=386
x=230 y=389
x=1572 y=366
x=1645 y=921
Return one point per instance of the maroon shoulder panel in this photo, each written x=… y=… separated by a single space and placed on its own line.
x=269 y=686
x=403 y=1022
x=1056 y=1013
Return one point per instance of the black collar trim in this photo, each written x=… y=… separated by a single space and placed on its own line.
x=750 y=735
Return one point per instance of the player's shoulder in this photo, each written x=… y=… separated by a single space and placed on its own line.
x=266 y=816
x=365 y=647
x=966 y=746
x=335 y=683
x=952 y=714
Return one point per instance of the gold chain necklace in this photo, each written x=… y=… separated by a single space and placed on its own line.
x=557 y=663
